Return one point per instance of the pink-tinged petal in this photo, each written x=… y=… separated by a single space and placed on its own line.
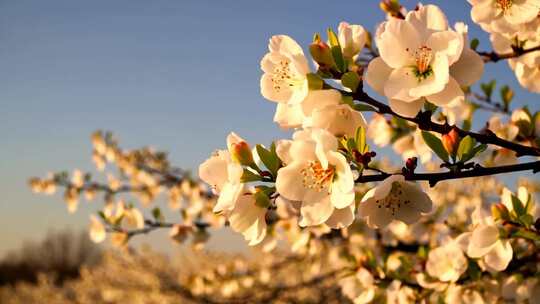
x=228 y=197
x=377 y=74
x=285 y=45
x=303 y=150
x=522 y=11
x=319 y=99
x=289 y=181
x=419 y=199
x=397 y=42
x=500 y=256
x=400 y=83
x=429 y=16
x=449 y=43
x=375 y=217
x=213 y=171
x=289 y=115
x=482 y=241
x=407 y=109
x=483 y=11
x=452 y=93
x=468 y=69
x=315 y=212
x=341 y=218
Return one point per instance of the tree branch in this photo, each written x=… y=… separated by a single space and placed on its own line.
x=423 y=121
x=434 y=178
x=494 y=57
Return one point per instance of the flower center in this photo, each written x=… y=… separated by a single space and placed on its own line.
x=317 y=178
x=283 y=76
x=423 y=56
x=504 y=5
x=393 y=201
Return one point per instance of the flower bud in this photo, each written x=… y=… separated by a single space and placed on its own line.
x=322 y=54
x=241 y=153
x=499 y=212
x=450 y=142
x=411 y=163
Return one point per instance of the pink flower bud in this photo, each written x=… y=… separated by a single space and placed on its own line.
x=321 y=53
x=241 y=152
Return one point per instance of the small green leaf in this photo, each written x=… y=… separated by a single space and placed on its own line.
x=261 y=199
x=428 y=106
x=466 y=125
x=518 y=206
x=465 y=148
x=350 y=80
x=527 y=220
x=347 y=100
x=507 y=94
x=269 y=159
x=527 y=235
x=332 y=38
x=360 y=137
x=156 y=213
x=488 y=88
x=249 y=176
x=436 y=145
x=338 y=58
x=364 y=108
x=474 y=43
x=351 y=144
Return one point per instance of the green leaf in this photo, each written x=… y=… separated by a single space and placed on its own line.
x=474 y=43
x=270 y=160
x=347 y=100
x=465 y=148
x=350 y=80
x=488 y=88
x=466 y=125
x=518 y=206
x=428 y=106
x=314 y=81
x=261 y=199
x=436 y=145
x=527 y=220
x=360 y=137
x=332 y=38
x=527 y=234
x=364 y=108
x=338 y=58
x=351 y=144
x=507 y=94
x=249 y=176
x=156 y=213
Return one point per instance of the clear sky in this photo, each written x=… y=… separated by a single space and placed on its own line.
x=178 y=75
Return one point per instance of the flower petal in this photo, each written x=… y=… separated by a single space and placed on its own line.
x=377 y=74
x=451 y=93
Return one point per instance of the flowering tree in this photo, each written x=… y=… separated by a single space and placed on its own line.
x=383 y=233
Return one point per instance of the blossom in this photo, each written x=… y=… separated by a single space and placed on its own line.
x=484 y=242
x=285 y=69
x=416 y=55
x=248 y=218
x=379 y=130
x=394 y=198
x=469 y=68
x=505 y=131
x=360 y=287
x=491 y=12
x=446 y=263
x=97 y=230
x=223 y=174
x=318 y=176
x=412 y=145
x=352 y=39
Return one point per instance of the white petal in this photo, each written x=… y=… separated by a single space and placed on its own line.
x=483 y=11
x=429 y=16
x=397 y=42
x=436 y=82
x=449 y=43
x=228 y=196
x=483 y=239
x=377 y=74
x=451 y=93
x=400 y=84
x=468 y=69
x=341 y=218
x=315 y=212
x=407 y=109
x=289 y=115
x=319 y=99
x=289 y=181
x=213 y=171
x=501 y=255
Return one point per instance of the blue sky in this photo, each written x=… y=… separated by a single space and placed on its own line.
x=177 y=75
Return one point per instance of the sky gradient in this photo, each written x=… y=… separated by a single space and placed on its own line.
x=177 y=75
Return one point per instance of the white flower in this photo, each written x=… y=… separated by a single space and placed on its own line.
x=318 y=176
x=379 y=130
x=511 y=11
x=352 y=39
x=285 y=69
x=523 y=196
x=484 y=242
x=394 y=198
x=458 y=294
x=528 y=76
x=337 y=119
x=508 y=132
x=446 y=263
x=97 y=230
x=248 y=219
x=223 y=174
x=416 y=55
x=359 y=287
